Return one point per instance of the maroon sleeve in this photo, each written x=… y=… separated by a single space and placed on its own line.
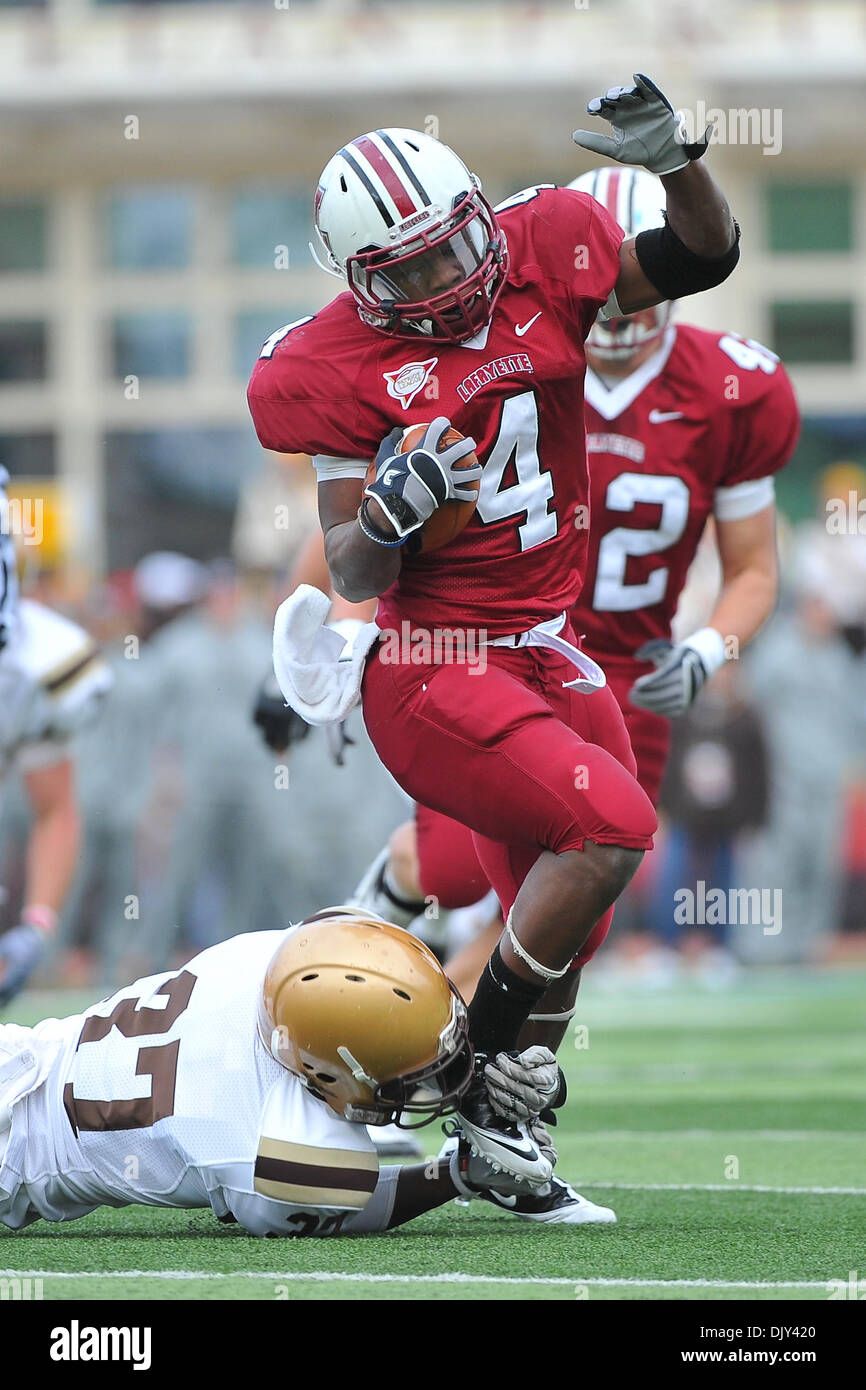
x=765 y=425
x=303 y=394
x=577 y=243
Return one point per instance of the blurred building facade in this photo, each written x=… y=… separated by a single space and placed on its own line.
x=155 y=193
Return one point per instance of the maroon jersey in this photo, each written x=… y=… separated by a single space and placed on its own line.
x=333 y=387
x=698 y=429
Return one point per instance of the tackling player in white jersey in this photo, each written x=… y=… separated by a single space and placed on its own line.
x=244 y=1082
x=52 y=681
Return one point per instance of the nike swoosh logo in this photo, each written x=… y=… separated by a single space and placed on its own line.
x=525 y=1150
x=504 y=1201
x=658 y=417
x=521 y=328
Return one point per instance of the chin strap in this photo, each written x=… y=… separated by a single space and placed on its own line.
x=328 y=269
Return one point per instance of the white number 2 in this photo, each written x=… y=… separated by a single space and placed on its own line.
x=612 y=593
x=518 y=439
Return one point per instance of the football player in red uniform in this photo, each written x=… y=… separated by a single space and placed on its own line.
x=490 y=312
x=683 y=424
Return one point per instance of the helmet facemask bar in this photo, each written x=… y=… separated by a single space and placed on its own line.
x=465 y=246
x=450 y=1073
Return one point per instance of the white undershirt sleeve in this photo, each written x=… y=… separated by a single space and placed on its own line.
x=328 y=469
x=743 y=499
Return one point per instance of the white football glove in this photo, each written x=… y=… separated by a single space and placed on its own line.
x=521 y=1085
x=645 y=129
x=409 y=487
x=680 y=672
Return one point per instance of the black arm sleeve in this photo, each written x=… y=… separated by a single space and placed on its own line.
x=675 y=270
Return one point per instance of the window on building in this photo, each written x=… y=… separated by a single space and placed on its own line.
x=151 y=344
x=29 y=455
x=817 y=331
x=175 y=489
x=149 y=227
x=23 y=350
x=271 y=228
x=23 y=234
x=804 y=217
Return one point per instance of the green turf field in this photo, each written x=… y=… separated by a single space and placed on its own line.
x=728 y=1131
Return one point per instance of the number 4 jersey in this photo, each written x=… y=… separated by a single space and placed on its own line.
x=164 y=1095
x=332 y=387
x=697 y=431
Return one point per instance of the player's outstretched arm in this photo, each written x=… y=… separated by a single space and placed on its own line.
x=698 y=247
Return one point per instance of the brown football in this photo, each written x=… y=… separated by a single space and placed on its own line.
x=449 y=519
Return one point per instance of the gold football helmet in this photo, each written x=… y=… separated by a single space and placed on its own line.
x=362 y=1012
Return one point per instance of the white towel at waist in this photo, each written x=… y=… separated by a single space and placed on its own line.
x=318 y=672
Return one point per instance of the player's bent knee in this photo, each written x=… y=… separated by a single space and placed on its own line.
x=609 y=805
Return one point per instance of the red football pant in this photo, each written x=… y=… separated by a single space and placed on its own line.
x=650 y=734
x=526 y=764
x=448 y=867
x=448 y=863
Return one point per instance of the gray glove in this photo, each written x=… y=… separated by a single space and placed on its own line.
x=645 y=129
x=680 y=671
x=21 y=950
x=409 y=487
x=521 y=1085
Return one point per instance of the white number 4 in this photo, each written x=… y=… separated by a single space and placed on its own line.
x=748 y=354
x=518 y=439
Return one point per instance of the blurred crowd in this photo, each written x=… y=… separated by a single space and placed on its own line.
x=194 y=830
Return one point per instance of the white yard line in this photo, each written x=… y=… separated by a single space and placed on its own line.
x=341 y=1277
x=781 y=1136
x=729 y=1187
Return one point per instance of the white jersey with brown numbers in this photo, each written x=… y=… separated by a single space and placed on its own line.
x=164 y=1095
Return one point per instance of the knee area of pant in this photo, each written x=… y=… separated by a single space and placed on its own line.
x=607 y=797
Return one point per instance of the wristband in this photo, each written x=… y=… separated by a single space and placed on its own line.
x=710 y=647
x=371 y=530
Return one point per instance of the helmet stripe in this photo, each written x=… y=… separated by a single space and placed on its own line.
x=406 y=166
x=370 y=187
x=389 y=178
x=611 y=194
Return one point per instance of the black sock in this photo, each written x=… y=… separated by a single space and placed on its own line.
x=500 y=1006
